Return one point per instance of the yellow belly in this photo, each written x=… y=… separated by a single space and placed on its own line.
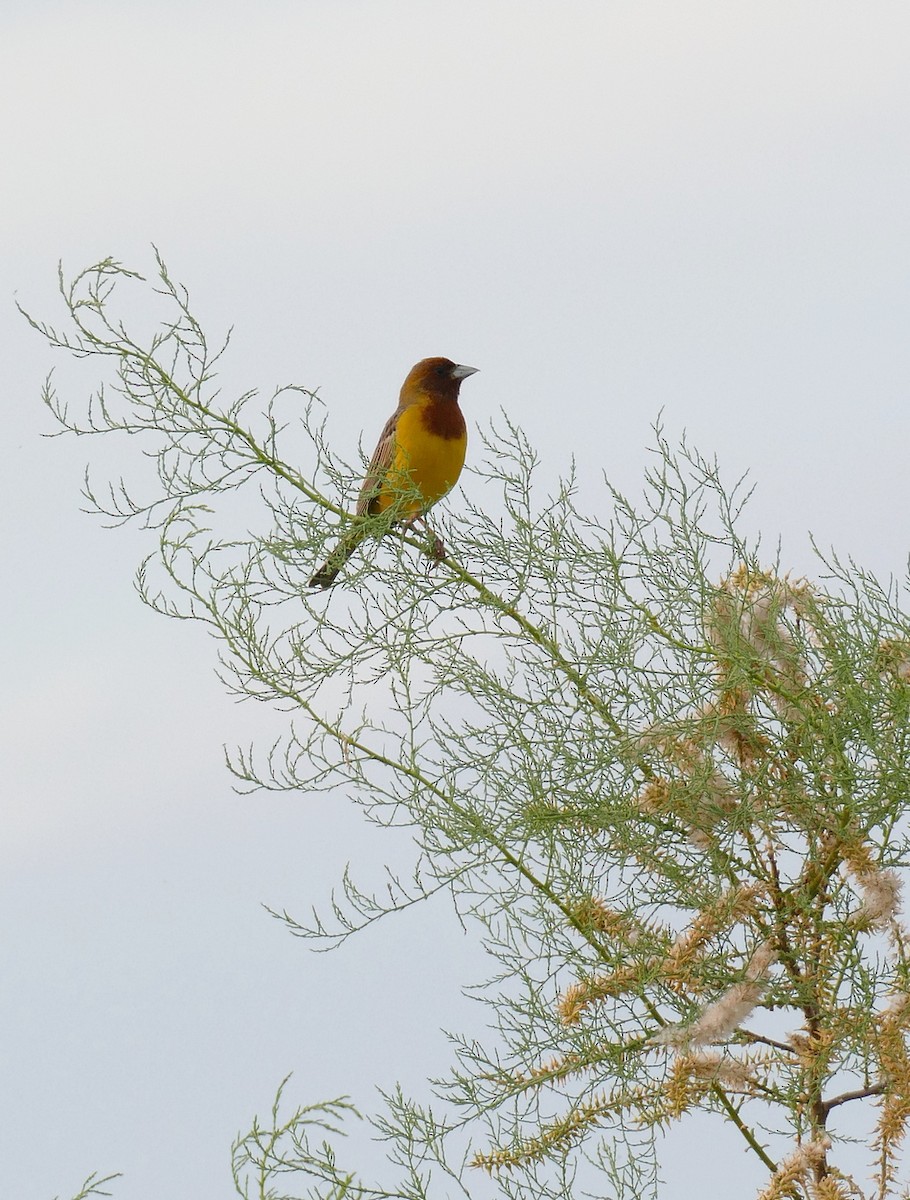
x=423 y=461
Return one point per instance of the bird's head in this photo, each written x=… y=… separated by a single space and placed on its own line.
x=439 y=377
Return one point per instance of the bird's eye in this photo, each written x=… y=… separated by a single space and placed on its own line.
x=442 y=371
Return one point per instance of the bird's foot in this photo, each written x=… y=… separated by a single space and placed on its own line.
x=436 y=548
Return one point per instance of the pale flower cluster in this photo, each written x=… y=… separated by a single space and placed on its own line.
x=753 y=605
x=722 y=1018
x=881 y=899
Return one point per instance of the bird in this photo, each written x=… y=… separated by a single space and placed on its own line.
x=417 y=460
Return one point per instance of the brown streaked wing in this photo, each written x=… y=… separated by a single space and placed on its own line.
x=379 y=465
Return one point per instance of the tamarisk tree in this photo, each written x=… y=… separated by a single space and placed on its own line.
x=662 y=779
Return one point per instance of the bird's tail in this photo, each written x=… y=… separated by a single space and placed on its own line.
x=328 y=572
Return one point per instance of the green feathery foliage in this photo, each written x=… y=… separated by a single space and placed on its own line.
x=662 y=779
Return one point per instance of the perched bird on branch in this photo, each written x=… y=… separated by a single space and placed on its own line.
x=418 y=459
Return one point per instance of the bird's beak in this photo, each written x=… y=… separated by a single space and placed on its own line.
x=459 y=372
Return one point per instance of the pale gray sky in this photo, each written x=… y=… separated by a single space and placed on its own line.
x=611 y=209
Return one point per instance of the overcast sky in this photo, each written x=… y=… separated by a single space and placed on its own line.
x=611 y=209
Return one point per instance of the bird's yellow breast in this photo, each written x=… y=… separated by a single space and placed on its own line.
x=424 y=459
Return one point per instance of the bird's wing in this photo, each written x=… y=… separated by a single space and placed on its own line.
x=382 y=459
